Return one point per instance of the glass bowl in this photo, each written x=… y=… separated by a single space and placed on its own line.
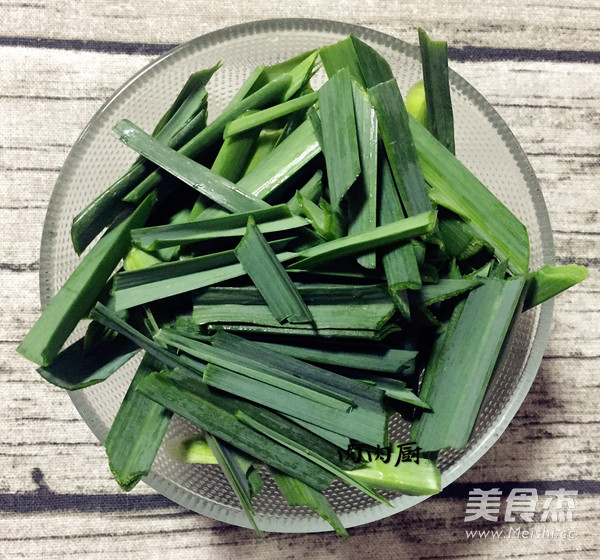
x=483 y=142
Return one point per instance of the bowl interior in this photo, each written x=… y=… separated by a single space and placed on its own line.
x=484 y=144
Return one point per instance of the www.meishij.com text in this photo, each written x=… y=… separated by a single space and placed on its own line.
x=520 y=533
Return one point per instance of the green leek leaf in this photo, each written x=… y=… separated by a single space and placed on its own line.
x=197 y=403
x=373 y=358
x=332 y=306
x=169 y=279
x=312 y=191
x=340 y=143
x=434 y=59
x=105 y=208
x=407 y=477
x=323 y=462
x=208 y=183
x=362 y=198
x=400 y=262
x=213 y=132
x=415 y=102
x=296 y=493
x=79 y=365
x=456 y=188
x=363 y=242
x=549 y=281
x=268 y=275
x=366 y=421
x=459 y=382
x=226 y=365
x=191 y=449
x=227 y=458
x=136 y=432
x=399 y=146
x=446 y=288
x=272 y=219
x=81 y=290
x=251 y=120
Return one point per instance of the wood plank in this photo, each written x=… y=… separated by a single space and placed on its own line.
x=417 y=533
x=514 y=23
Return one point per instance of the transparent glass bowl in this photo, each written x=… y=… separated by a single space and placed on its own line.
x=485 y=145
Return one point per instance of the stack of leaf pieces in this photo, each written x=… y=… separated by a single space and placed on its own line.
x=296 y=271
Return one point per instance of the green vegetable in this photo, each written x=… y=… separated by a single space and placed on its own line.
x=190 y=100
x=299 y=68
x=138 y=258
x=365 y=420
x=341 y=55
x=136 y=432
x=363 y=242
x=395 y=389
x=111 y=320
x=459 y=238
x=268 y=139
x=213 y=132
x=229 y=461
x=331 y=306
x=208 y=183
x=440 y=121
x=549 y=281
x=447 y=288
x=297 y=150
x=407 y=477
x=373 y=358
x=296 y=493
x=328 y=223
x=293 y=445
x=236 y=363
x=301 y=331
x=339 y=140
x=255 y=119
x=231 y=163
x=192 y=400
x=191 y=449
x=81 y=290
x=170 y=279
x=351 y=409
x=235 y=155
x=459 y=382
x=399 y=146
x=187 y=116
x=415 y=103
x=453 y=186
x=346 y=247
x=312 y=191
x=79 y=366
x=268 y=275
x=362 y=198
x=269 y=220
x=399 y=262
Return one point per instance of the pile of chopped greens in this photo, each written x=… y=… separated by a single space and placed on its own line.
x=296 y=271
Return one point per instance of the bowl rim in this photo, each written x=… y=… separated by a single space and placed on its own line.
x=230 y=515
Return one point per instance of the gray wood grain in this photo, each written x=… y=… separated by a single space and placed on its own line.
x=546 y=24
x=57 y=496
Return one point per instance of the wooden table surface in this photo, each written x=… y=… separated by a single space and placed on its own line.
x=536 y=61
